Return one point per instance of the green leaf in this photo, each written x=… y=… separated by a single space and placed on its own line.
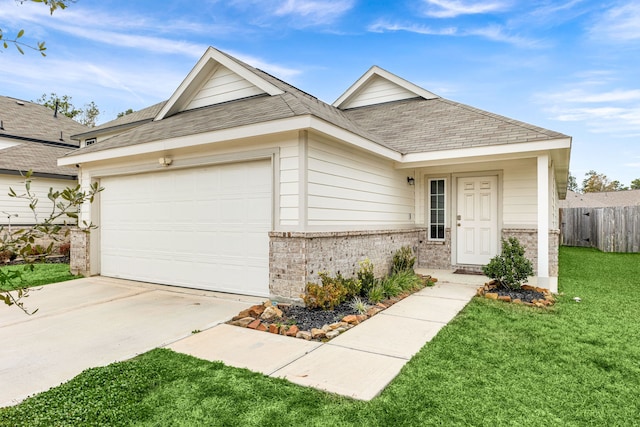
x=20 y=34
x=19 y=49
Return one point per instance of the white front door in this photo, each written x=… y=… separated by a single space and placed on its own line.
x=477 y=220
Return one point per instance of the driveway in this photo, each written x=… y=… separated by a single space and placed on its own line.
x=96 y=321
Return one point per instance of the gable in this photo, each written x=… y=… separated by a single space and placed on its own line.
x=378 y=86
x=215 y=79
x=377 y=91
x=223 y=85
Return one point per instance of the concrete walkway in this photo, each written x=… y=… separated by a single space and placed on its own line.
x=96 y=321
x=360 y=362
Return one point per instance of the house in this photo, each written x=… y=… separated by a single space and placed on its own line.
x=242 y=183
x=601 y=199
x=33 y=137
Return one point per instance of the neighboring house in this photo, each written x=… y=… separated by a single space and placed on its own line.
x=33 y=137
x=601 y=200
x=242 y=183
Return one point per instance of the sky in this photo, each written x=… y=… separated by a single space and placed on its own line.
x=572 y=66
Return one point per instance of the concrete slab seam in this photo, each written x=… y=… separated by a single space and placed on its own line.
x=272 y=374
x=415 y=318
x=406 y=359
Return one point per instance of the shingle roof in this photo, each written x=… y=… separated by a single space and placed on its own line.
x=146 y=114
x=36 y=133
x=422 y=125
x=601 y=200
x=409 y=126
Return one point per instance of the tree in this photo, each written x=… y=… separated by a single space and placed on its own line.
x=16 y=40
x=125 y=113
x=572 y=183
x=63 y=105
x=20 y=243
x=598 y=182
x=635 y=184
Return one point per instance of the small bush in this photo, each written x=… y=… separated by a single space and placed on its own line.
x=375 y=293
x=65 y=249
x=331 y=293
x=359 y=305
x=408 y=281
x=403 y=260
x=510 y=268
x=390 y=287
x=366 y=277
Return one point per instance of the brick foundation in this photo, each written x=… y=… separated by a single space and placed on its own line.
x=295 y=258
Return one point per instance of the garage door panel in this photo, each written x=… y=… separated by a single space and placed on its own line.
x=204 y=228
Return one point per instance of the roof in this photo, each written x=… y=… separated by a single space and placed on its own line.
x=421 y=123
x=601 y=200
x=34 y=138
x=124 y=122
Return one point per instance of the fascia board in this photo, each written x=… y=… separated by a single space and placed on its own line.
x=437 y=157
x=277 y=126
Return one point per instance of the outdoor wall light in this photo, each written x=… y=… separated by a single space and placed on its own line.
x=165 y=161
x=411 y=180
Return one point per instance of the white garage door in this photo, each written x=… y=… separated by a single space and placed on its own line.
x=204 y=228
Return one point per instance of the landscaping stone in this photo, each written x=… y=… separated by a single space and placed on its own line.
x=305 y=335
x=254 y=324
x=491 y=295
x=271 y=313
x=274 y=329
x=332 y=334
x=242 y=322
x=505 y=298
x=351 y=319
x=318 y=333
x=292 y=331
x=527 y=295
x=261 y=327
x=373 y=311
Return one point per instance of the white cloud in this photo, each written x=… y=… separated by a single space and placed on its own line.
x=382 y=26
x=620 y=23
x=453 y=8
x=314 y=11
x=589 y=97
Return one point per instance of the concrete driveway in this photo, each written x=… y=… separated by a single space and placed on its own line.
x=96 y=321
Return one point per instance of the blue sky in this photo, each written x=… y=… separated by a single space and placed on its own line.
x=567 y=65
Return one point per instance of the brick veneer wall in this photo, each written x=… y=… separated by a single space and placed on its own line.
x=529 y=239
x=79 y=262
x=435 y=254
x=295 y=258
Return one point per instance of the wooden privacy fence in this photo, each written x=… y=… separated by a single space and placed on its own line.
x=613 y=229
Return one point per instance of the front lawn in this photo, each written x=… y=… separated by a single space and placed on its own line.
x=495 y=364
x=42 y=274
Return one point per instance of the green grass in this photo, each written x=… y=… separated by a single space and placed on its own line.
x=42 y=274
x=576 y=364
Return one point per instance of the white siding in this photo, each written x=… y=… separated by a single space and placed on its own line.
x=520 y=197
x=39 y=186
x=289 y=186
x=348 y=187
x=223 y=85
x=378 y=91
x=554 y=221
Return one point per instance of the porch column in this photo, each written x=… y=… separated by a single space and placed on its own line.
x=543 y=221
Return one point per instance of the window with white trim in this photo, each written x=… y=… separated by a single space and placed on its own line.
x=436 y=209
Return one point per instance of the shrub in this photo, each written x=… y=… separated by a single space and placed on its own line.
x=407 y=280
x=390 y=287
x=366 y=277
x=403 y=260
x=510 y=268
x=331 y=293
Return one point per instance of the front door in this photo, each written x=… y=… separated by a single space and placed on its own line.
x=477 y=220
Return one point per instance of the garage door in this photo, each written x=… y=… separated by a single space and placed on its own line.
x=204 y=228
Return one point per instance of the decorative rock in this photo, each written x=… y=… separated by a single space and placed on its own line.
x=261 y=327
x=292 y=331
x=491 y=295
x=305 y=335
x=373 y=311
x=267 y=303
x=480 y=291
x=273 y=328
x=351 y=319
x=381 y=305
x=332 y=334
x=361 y=317
x=254 y=311
x=528 y=288
x=326 y=328
x=317 y=333
x=434 y=280
x=341 y=329
x=254 y=324
x=335 y=326
x=243 y=322
x=505 y=298
x=271 y=313
x=517 y=301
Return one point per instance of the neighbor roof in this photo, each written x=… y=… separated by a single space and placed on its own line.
x=37 y=138
x=411 y=125
x=601 y=200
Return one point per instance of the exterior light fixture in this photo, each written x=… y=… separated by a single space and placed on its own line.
x=411 y=180
x=165 y=161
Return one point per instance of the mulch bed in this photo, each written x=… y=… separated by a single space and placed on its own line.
x=526 y=295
